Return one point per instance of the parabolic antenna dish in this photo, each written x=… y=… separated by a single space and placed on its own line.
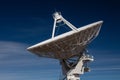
x=69 y=48
x=68 y=44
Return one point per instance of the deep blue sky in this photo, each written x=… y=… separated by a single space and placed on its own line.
x=25 y=23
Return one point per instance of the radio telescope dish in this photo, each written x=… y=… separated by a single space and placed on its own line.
x=68 y=45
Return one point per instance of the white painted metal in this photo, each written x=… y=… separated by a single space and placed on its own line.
x=74 y=73
x=58 y=46
x=99 y=23
x=70 y=47
x=53 y=33
x=57 y=19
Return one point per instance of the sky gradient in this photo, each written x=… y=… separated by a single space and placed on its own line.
x=24 y=23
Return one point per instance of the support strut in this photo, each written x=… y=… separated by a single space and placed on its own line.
x=59 y=19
